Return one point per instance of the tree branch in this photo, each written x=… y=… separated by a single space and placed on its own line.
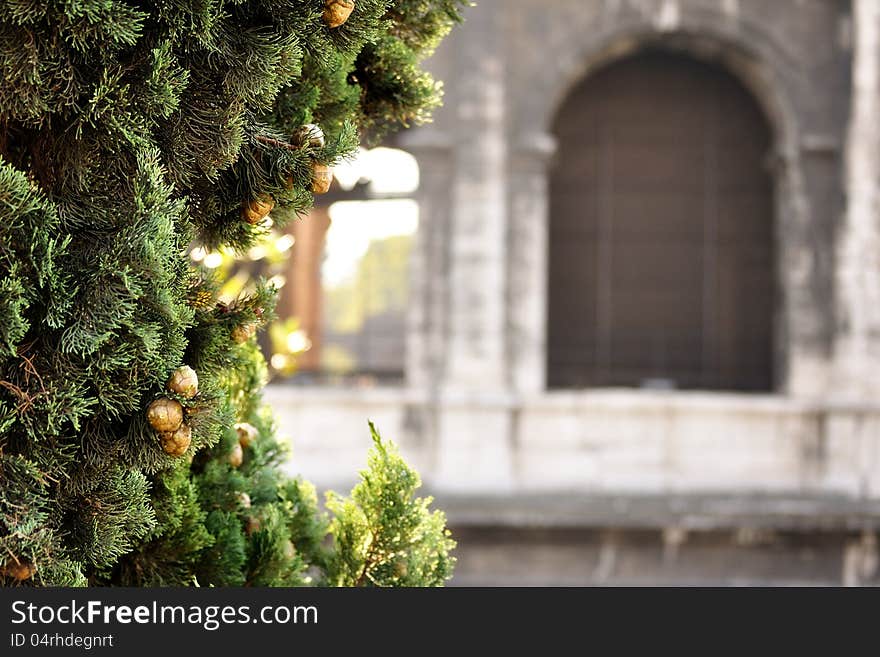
x=276 y=142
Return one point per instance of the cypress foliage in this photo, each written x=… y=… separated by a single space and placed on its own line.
x=131 y=131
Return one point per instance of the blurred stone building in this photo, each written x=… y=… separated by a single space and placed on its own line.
x=642 y=337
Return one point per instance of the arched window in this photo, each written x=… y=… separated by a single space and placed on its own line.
x=662 y=255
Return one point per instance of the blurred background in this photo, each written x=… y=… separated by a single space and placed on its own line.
x=619 y=303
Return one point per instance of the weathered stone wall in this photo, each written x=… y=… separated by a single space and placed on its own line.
x=507 y=70
x=475 y=415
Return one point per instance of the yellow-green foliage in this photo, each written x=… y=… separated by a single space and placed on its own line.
x=383 y=535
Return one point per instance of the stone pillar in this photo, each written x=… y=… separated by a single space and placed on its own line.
x=853 y=424
x=857 y=275
x=429 y=265
x=477 y=274
x=473 y=416
x=527 y=262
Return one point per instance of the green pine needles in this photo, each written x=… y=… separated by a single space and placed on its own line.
x=130 y=132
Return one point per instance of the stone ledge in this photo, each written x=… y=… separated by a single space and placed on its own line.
x=555 y=401
x=691 y=512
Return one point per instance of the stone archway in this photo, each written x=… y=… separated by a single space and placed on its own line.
x=801 y=321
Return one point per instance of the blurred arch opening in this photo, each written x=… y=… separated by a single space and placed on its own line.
x=662 y=242
x=348 y=291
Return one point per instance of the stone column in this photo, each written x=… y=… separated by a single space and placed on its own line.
x=857 y=275
x=852 y=427
x=477 y=275
x=474 y=419
x=429 y=265
x=527 y=262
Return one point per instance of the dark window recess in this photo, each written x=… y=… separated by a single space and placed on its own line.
x=662 y=256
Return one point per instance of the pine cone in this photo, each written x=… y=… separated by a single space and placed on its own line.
x=165 y=414
x=184 y=382
x=322 y=177
x=19 y=571
x=254 y=211
x=243 y=332
x=247 y=434
x=175 y=443
x=336 y=12
x=236 y=456
x=310 y=134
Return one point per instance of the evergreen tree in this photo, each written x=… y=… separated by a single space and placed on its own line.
x=134 y=447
